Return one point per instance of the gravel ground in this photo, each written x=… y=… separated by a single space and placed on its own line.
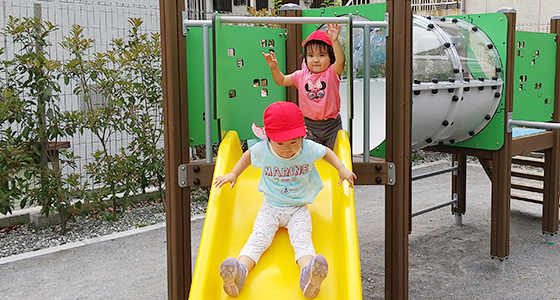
x=25 y=237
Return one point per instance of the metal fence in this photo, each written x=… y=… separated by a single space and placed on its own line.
x=102 y=21
x=543 y=27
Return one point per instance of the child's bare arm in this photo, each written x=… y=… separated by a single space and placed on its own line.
x=231 y=177
x=343 y=172
x=332 y=32
x=279 y=78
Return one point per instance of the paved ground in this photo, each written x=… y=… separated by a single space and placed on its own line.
x=446 y=261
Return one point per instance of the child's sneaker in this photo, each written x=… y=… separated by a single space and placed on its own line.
x=312 y=275
x=233 y=273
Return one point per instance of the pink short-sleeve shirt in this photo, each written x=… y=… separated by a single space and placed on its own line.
x=318 y=93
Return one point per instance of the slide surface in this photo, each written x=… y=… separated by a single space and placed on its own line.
x=229 y=221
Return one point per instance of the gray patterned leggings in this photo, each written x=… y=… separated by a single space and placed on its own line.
x=296 y=219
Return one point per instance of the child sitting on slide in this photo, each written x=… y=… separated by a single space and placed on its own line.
x=289 y=182
x=317 y=82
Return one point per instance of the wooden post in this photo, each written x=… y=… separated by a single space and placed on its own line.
x=501 y=159
x=176 y=134
x=459 y=184
x=397 y=211
x=293 y=47
x=552 y=156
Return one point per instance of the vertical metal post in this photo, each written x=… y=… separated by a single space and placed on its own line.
x=176 y=137
x=350 y=74
x=501 y=160
x=41 y=101
x=207 y=94
x=397 y=196
x=366 y=91
x=552 y=157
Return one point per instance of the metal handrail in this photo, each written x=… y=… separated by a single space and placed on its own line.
x=287 y=20
x=541 y=125
x=205 y=24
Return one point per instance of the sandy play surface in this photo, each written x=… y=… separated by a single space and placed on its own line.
x=453 y=262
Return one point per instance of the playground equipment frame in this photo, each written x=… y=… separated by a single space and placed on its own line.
x=498 y=163
x=177 y=141
x=397 y=153
x=366 y=25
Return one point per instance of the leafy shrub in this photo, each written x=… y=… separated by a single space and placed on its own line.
x=127 y=77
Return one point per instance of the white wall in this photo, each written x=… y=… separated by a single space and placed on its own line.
x=532 y=15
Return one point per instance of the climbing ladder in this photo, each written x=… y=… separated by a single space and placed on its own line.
x=526 y=184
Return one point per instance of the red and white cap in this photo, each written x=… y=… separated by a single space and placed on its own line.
x=283 y=121
x=317 y=35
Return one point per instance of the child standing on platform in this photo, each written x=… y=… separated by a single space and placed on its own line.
x=318 y=83
x=289 y=182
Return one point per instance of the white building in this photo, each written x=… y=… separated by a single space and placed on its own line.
x=532 y=15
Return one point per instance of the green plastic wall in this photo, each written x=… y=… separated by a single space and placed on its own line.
x=246 y=73
x=195 y=89
x=535 y=58
x=244 y=85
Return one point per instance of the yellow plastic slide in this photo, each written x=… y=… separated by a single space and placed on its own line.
x=229 y=220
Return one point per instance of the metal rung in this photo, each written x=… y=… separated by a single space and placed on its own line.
x=450 y=169
x=441 y=205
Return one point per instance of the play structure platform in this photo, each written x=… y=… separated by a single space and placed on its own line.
x=229 y=220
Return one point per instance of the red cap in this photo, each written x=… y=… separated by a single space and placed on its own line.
x=283 y=121
x=317 y=35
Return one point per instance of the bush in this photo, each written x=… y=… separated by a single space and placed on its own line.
x=128 y=77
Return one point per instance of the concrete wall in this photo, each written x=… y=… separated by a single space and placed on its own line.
x=532 y=15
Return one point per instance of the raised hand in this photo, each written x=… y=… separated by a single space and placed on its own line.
x=271 y=60
x=332 y=31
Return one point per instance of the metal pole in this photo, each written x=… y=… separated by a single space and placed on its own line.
x=288 y=20
x=366 y=91
x=350 y=75
x=283 y=20
x=196 y=23
x=300 y=20
x=532 y=124
x=450 y=169
x=207 y=98
x=429 y=209
x=41 y=100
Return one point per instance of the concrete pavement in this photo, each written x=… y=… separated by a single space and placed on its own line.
x=445 y=261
